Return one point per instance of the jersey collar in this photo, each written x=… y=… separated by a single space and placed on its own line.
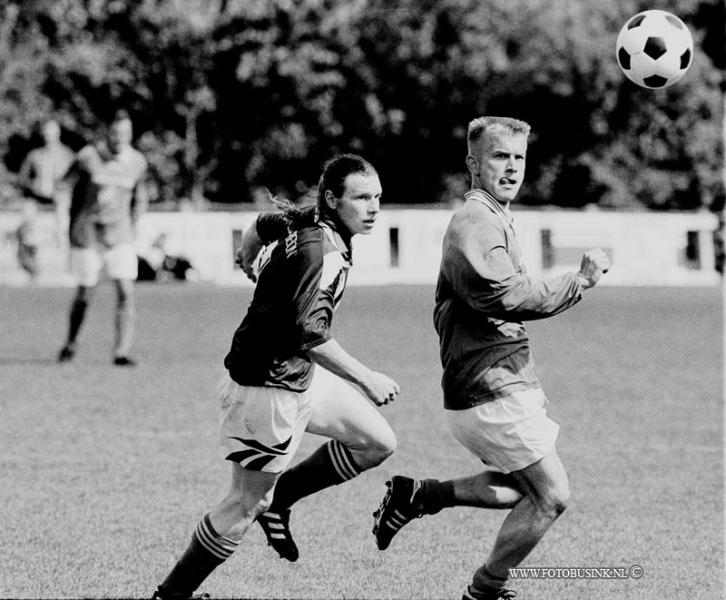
x=342 y=243
x=490 y=201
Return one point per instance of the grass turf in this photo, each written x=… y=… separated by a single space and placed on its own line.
x=106 y=471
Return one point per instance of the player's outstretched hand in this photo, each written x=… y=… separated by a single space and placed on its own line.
x=595 y=263
x=381 y=389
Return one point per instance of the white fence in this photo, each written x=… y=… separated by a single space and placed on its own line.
x=664 y=249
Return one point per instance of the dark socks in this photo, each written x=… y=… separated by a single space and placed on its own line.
x=435 y=495
x=329 y=465
x=206 y=551
x=484 y=581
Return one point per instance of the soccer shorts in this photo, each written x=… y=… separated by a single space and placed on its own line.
x=121 y=262
x=508 y=433
x=261 y=427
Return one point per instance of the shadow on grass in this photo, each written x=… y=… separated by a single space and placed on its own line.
x=27 y=360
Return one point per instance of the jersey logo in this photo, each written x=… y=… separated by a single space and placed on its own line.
x=291 y=244
x=257 y=455
x=263 y=258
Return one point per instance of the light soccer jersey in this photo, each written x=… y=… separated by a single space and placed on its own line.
x=483 y=295
x=43 y=169
x=301 y=280
x=105 y=202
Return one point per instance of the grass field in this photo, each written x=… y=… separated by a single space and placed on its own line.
x=105 y=471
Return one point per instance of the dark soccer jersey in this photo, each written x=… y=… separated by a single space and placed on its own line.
x=482 y=296
x=104 y=201
x=301 y=280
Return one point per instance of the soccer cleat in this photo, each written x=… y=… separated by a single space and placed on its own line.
x=124 y=361
x=159 y=596
x=502 y=594
x=66 y=354
x=276 y=526
x=397 y=508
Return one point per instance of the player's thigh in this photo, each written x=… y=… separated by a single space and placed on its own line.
x=260 y=428
x=341 y=412
x=250 y=494
x=252 y=485
x=85 y=265
x=508 y=433
x=546 y=480
x=122 y=262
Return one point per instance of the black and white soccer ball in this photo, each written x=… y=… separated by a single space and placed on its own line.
x=654 y=49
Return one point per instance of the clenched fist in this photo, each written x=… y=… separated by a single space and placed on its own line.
x=595 y=263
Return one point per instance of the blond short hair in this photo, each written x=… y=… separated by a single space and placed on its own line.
x=492 y=126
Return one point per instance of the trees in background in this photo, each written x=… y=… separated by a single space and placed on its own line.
x=230 y=96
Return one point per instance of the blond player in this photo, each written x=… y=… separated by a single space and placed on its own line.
x=493 y=400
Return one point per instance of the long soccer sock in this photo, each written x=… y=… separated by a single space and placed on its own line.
x=75 y=319
x=433 y=495
x=329 y=465
x=206 y=551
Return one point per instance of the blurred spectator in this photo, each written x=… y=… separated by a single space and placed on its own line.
x=41 y=175
x=156 y=264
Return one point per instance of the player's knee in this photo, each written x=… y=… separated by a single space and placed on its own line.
x=556 y=501
x=125 y=298
x=125 y=304
x=381 y=448
x=263 y=505
x=245 y=507
x=83 y=295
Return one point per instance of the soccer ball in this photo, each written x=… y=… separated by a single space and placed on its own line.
x=654 y=49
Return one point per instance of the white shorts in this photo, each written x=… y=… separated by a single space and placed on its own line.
x=261 y=427
x=121 y=262
x=508 y=433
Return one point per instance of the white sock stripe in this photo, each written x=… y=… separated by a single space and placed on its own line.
x=342 y=461
x=216 y=544
x=332 y=449
x=221 y=547
x=210 y=546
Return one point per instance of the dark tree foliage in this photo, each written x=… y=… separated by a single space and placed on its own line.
x=229 y=97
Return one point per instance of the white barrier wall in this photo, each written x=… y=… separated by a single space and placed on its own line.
x=646 y=249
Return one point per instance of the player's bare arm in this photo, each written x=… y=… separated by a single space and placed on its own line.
x=379 y=388
x=139 y=202
x=595 y=263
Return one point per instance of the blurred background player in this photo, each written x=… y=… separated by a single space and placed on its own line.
x=107 y=199
x=41 y=176
x=492 y=396
x=28 y=238
x=285 y=375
